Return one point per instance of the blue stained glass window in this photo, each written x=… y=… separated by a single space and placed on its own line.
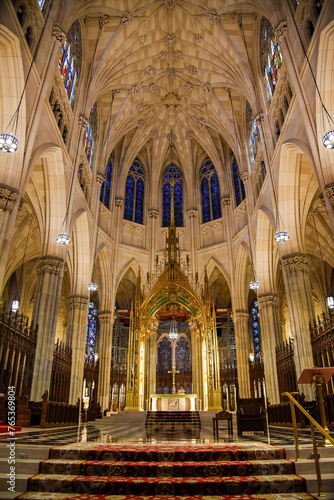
x=256 y=328
x=90 y=135
x=172 y=172
x=134 y=193
x=70 y=61
x=239 y=188
x=271 y=57
x=211 y=208
x=41 y=4
x=106 y=186
x=91 y=332
x=253 y=141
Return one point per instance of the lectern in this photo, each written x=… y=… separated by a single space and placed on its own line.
x=318 y=376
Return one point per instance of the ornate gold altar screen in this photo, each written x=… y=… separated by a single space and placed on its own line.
x=172 y=284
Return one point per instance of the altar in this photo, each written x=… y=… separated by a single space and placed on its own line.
x=173 y=402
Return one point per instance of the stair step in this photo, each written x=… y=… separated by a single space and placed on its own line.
x=167 y=485
x=78 y=496
x=167 y=469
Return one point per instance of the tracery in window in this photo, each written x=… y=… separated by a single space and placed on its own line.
x=172 y=174
x=271 y=57
x=256 y=329
x=91 y=332
x=106 y=186
x=134 y=193
x=70 y=61
x=211 y=208
x=90 y=135
x=239 y=188
x=254 y=139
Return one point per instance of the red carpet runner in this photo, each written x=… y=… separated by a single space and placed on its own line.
x=170 y=472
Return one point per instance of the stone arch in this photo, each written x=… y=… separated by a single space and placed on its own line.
x=11 y=84
x=297 y=185
x=219 y=283
x=126 y=280
x=104 y=277
x=325 y=70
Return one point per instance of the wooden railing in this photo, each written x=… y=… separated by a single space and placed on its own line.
x=57 y=414
x=61 y=373
x=17 y=353
x=286 y=370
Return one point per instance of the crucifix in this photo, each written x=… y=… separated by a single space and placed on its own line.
x=173 y=372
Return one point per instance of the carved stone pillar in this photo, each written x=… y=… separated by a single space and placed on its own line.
x=105 y=345
x=301 y=310
x=8 y=199
x=240 y=320
x=192 y=215
x=45 y=311
x=270 y=338
x=77 y=329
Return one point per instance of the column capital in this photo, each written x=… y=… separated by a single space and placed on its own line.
x=59 y=34
x=236 y=18
x=192 y=213
x=8 y=197
x=100 y=178
x=226 y=201
x=78 y=302
x=259 y=117
x=296 y=262
x=268 y=300
x=280 y=30
x=244 y=176
x=105 y=317
x=241 y=315
x=50 y=265
x=330 y=193
x=83 y=121
x=153 y=213
x=119 y=202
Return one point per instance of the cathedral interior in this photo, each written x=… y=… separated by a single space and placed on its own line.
x=166 y=200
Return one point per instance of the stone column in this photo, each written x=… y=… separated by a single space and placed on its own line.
x=45 y=311
x=192 y=215
x=301 y=310
x=8 y=199
x=240 y=320
x=77 y=330
x=270 y=338
x=105 y=346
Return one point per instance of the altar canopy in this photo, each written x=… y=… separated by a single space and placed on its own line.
x=170 y=361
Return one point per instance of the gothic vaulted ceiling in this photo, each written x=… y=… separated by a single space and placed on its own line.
x=170 y=64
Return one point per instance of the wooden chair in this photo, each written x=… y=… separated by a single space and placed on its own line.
x=222 y=415
x=251 y=415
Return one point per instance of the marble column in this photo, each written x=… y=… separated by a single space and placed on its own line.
x=45 y=311
x=301 y=310
x=77 y=330
x=240 y=320
x=104 y=352
x=270 y=339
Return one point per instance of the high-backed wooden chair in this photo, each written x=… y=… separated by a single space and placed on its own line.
x=251 y=415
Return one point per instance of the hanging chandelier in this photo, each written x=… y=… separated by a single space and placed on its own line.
x=281 y=236
x=8 y=143
x=254 y=285
x=63 y=239
x=173 y=331
x=92 y=287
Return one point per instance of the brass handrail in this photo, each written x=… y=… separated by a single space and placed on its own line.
x=313 y=423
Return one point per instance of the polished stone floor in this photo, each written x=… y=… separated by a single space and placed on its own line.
x=127 y=427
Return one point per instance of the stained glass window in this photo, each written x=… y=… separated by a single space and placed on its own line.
x=106 y=186
x=182 y=356
x=90 y=135
x=271 y=57
x=91 y=332
x=239 y=188
x=256 y=329
x=172 y=173
x=211 y=208
x=41 y=4
x=164 y=356
x=134 y=193
x=254 y=139
x=70 y=59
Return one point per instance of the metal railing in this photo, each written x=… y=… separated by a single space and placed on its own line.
x=313 y=423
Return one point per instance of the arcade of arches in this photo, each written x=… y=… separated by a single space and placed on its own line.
x=170 y=140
